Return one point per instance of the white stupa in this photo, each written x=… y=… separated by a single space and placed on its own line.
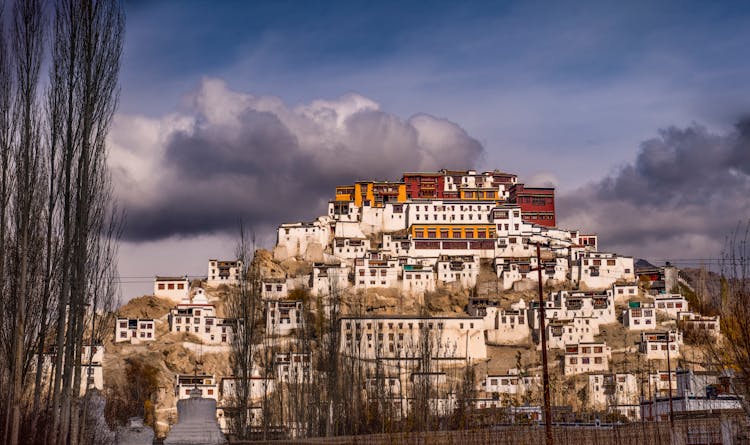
x=196 y=422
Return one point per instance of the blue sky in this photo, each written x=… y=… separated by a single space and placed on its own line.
x=561 y=92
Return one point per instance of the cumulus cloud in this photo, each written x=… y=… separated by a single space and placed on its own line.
x=686 y=191
x=228 y=156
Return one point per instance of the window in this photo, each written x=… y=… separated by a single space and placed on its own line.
x=161 y=286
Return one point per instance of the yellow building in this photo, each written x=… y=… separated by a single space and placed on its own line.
x=453 y=231
x=372 y=193
x=478 y=194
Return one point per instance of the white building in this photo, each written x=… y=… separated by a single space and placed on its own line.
x=658 y=410
x=624 y=292
x=506 y=326
x=198 y=318
x=349 y=242
x=327 y=279
x=174 y=288
x=671 y=304
x=463 y=270
x=449 y=212
x=134 y=330
x=273 y=289
x=283 y=316
x=597 y=270
x=417 y=279
x=185 y=383
x=610 y=390
x=702 y=324
x=511 y=384
x=397 y=337
x=223 y=272
x=586 y=357
x=303 y=240
x=659 y=383
x=639 y=316
x=92 y=373
x=567 y=332
x=388 y=218
x=654 y=344
x=257 y=388
x=292 y=367
x=597 y=306
x=375 y=270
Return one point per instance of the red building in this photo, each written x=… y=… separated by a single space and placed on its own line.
x=424 y=185
x=537 y=204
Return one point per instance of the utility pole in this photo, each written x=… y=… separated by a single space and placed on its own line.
x=543 y=332
x=669 y=379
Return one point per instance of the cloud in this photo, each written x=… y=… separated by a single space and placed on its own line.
x=228 y=156
x=686 y=191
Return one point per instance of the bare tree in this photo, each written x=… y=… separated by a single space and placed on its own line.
x=83 y=81
x=243 y=307
x=27 y=45
x=730 y=354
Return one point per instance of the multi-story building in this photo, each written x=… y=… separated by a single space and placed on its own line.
x=596 y=306
x=375 y=270
x=283 y=316
x=639 y=316
x=206 y=383
x=566 y=332
x=467 y=185
x=700 y=324
x=372 y=193
x=134 y=330
x=463 y=270
x=511 y=384
x=417 y=279
x=327 y=279
x=174 y=288
x=657 y=344
x=273 y=289
x=402 y=337
x=537 y=204
x=258 y=387
x=612 y=390
x=292 y=367
x=425 y=185
x=294 y=239
x=198 y=318
x=506 y=326
x=586 y=357
x=671 y=304
x=659 y=384
x=624 y=292
x=223 y=272
x=92 y=375
x=598 y=270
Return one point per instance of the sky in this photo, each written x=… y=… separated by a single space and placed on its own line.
x=251 y=112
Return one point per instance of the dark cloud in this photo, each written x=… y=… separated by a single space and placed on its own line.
x=231 y=156
x=686 y=191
